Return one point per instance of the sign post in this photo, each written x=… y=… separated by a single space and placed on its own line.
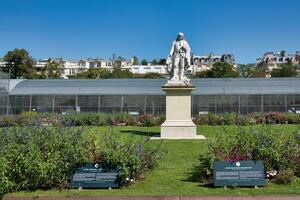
x=239 y=173
x=95 y=175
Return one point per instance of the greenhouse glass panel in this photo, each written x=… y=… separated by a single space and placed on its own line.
x=42 y=103
x=110 y=103
x=156 y=104
x=293 y=101
x=202 y=104
x=3 y=104
x=87 y=103
x=134 y=104
x=250 y=103
x=64 y=103
x=227 y=103
x=278 y=103
x=19 y=104
x=274 y=103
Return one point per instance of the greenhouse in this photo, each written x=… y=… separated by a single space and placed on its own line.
x=140 y=96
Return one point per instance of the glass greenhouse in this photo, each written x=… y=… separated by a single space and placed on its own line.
x=139 y=96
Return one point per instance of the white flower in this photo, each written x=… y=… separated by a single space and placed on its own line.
x=273 y=173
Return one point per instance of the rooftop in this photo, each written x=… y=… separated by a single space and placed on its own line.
x=153 y=86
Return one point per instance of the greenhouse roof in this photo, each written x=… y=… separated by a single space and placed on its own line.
x=153 y=86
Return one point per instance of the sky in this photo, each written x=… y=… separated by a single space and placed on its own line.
x=77 y=29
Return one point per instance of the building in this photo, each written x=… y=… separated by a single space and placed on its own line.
x=2 y=63
x=271 y=61
x=203 y=63
x=72 y=67
x=145 y=95
x=143 y=69
x=77 y=66
x=40 y=64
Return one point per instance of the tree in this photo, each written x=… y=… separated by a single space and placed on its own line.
x=150 y=75
x=154 y=62
x=162 y=61
x=93 y=73
x=144 y=62
x=19 y=64
x=250 y=71
x=222 y=70
x=118 y=73
x=218 y=70
x=114 y=57
x=51 y=70
x=97 y=73
x=135 y=60
x=202 y=74
x=285 y=70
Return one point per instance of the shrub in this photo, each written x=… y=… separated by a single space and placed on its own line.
x=245 y=120
x=201 y=120
x=72 y=118
x=123 y=119
x=275 y=148
x=161 y=119
x=147 y=120
x=7 y=120
x=203 y=169
x=209 y=119
x=134 y=156
x=275 y=118
x=6 y=185
x=229 y=118
x=292 y=118
x=278 y=150
x=259 y=118
x=37 y=157
x=284 y=177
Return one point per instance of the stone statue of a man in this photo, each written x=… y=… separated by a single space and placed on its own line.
x=178 y=60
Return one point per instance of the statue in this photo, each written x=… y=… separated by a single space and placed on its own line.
x=178 y=61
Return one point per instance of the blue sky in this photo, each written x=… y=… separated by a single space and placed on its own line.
x=75 y=29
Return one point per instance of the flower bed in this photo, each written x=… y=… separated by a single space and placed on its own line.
x=280 y=152
x=101 y=119
x=44 y=157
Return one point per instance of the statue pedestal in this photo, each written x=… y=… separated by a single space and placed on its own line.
x=178 y=124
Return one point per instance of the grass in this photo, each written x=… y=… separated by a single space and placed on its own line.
x=172 y=174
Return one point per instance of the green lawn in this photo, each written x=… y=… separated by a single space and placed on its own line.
x=171 y=176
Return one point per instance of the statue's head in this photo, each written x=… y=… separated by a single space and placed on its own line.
x=180 y=36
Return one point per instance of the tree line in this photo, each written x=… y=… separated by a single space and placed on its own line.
x=19 y=64
x=227 y=70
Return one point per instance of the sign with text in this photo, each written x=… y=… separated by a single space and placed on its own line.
x=239 y=173
x=95 y=175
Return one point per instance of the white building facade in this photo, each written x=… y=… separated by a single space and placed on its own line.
x=144 y=69
x=274 y=60
x=204 y=63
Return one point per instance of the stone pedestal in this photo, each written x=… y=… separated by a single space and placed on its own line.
x=178 y=124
